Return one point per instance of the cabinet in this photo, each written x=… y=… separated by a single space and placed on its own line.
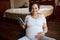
x=33 y=1
x=43 y=2
x=4 y=4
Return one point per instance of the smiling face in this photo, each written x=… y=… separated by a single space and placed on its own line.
x=34 y=9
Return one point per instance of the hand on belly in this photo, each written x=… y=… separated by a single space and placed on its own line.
x=32 y=32
x=39 y=35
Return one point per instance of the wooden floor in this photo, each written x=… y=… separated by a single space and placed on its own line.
x=9 y=29
x=54 y=28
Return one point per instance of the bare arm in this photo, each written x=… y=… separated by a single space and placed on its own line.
x=45 y=29
x=23 y=26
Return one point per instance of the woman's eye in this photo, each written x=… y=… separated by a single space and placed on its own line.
x=35 y=8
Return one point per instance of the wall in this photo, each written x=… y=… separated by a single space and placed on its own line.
x=18 y=3
x=57 y=2
x=12 y=3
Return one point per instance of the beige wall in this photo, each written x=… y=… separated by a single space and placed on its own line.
x=57 y=2
x=12 y=3
x=18 y=3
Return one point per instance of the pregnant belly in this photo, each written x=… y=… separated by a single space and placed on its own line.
x=31 y=32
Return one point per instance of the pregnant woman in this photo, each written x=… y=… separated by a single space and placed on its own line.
x=36 y=25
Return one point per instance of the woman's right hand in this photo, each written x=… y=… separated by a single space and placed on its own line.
x=39 y=35
x=23 y=26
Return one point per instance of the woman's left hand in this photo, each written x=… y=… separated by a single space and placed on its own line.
x=39 y=35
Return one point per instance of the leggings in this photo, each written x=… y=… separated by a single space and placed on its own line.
x=43 y=38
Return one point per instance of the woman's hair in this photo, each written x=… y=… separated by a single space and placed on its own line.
x=30 y=7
